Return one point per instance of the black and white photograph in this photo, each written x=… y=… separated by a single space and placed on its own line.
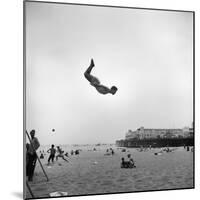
x=108 y=99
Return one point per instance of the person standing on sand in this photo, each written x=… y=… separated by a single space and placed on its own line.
x=60 y=154
x=94 y=81
x=31 y=155
x=52 y=152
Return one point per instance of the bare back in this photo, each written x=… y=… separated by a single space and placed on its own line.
x=94 y=80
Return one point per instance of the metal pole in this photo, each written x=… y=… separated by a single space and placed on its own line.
x=37 y=156
x=29 y=189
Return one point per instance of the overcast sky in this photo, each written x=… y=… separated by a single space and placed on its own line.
x=147 y=54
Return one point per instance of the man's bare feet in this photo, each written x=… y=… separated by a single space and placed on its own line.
x=92 y=63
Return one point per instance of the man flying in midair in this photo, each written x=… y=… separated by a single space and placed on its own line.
x=94 y=81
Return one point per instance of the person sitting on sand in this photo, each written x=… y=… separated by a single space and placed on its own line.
x=52 y=152
x=94 y=81
x=60 y=154
x=66 y=154
x=41 y=156
x=124 y=164
x=76 y=152
x=128 y=164
x=131 y=161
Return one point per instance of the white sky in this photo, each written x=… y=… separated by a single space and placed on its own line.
x=147 y=54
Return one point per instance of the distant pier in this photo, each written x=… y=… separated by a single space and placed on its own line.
x=162 y=142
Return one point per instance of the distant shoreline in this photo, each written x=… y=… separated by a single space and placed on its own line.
x=156 y=142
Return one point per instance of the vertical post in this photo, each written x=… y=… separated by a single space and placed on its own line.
x=37 y=156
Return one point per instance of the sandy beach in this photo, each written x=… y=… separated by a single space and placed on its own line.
x=92 y=172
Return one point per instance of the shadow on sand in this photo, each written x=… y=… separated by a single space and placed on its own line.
x=18 y=194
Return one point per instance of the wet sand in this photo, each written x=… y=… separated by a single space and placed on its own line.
x=91 y=172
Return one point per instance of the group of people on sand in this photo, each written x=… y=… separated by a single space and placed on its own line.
x=130 y=163
x=31 y=155
x=53 y=151
x=60 y=154
x=109 y=152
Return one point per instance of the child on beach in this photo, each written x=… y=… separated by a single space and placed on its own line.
x=52 y=152
x=41 y=156
x=131 y=161
x=60 y=154
x=124 y=164
x=66 y=154
x=94 y=81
